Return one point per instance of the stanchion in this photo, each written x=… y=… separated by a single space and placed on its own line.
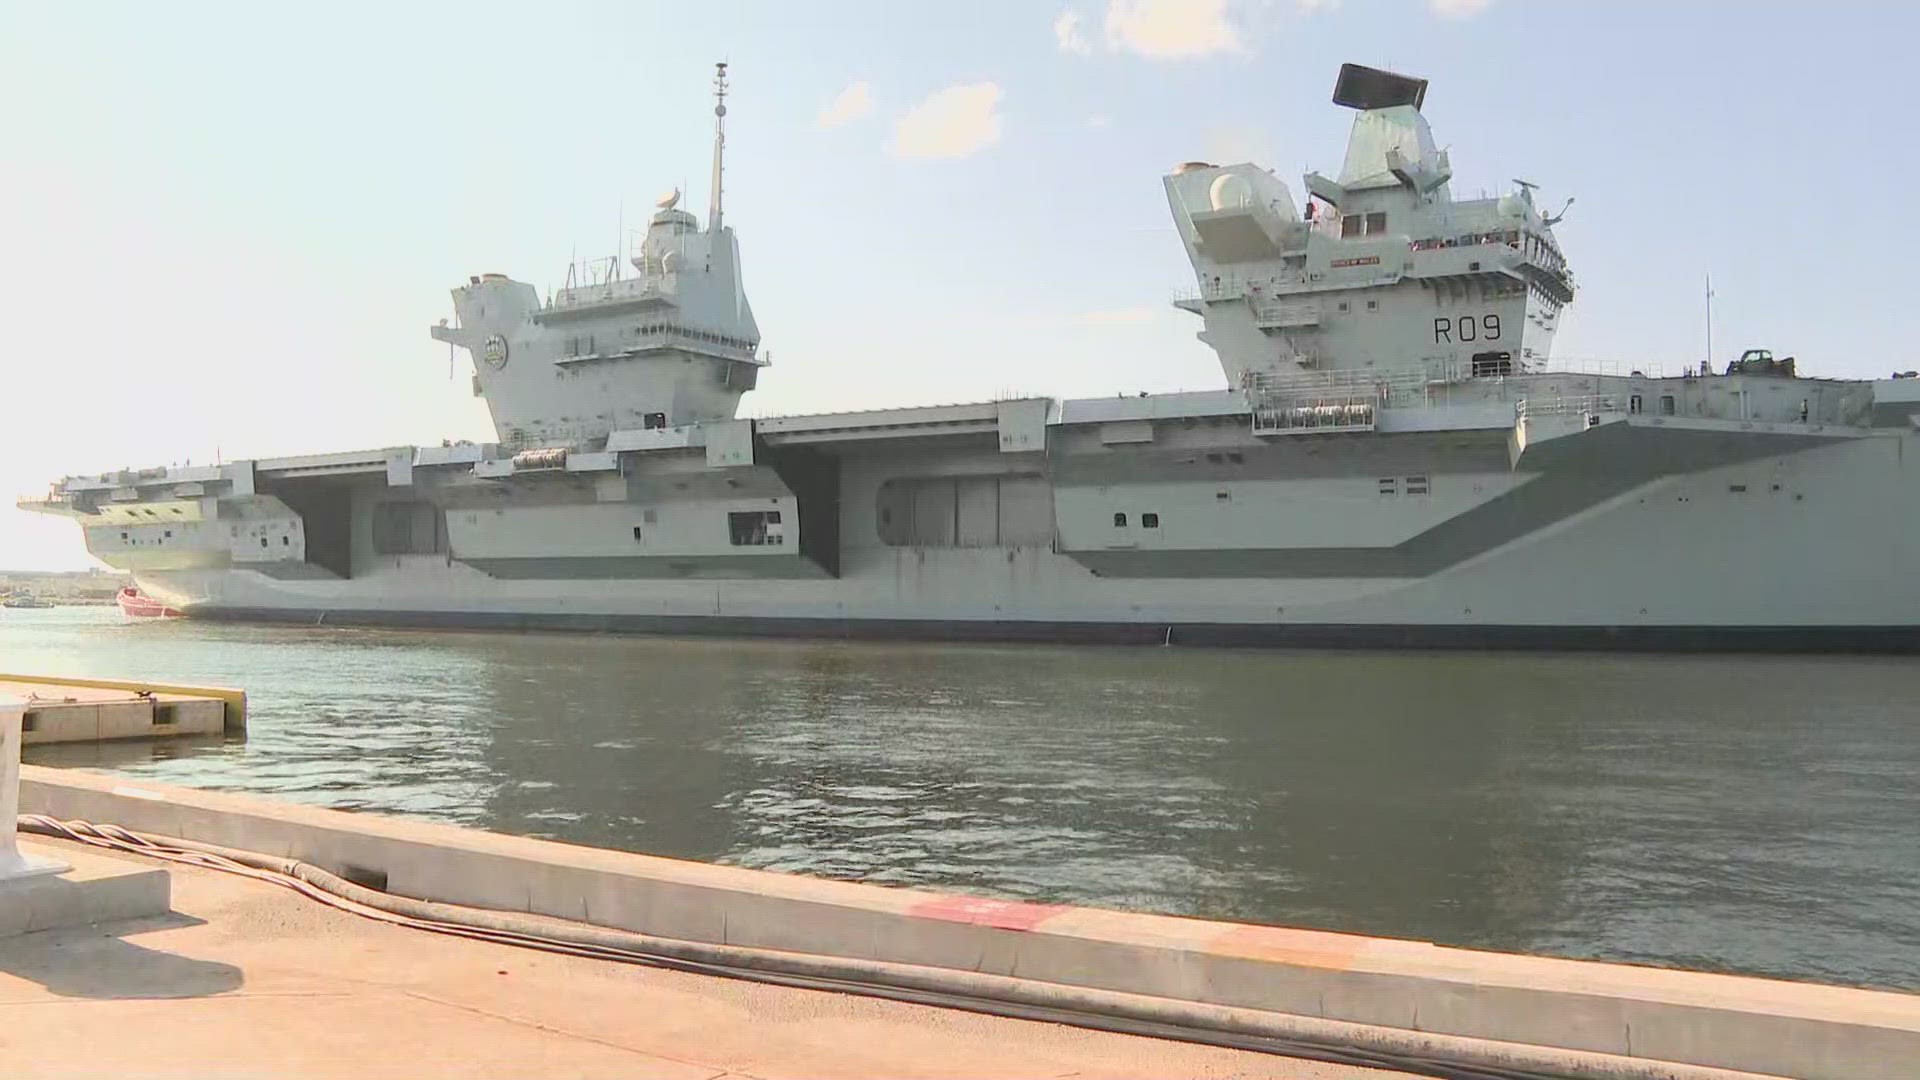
x=15 y=865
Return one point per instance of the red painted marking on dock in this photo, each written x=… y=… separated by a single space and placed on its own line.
x=979 y=911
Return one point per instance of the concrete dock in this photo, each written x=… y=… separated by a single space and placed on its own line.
x=76 y=710
x=245 y=979
x=1518 y=1011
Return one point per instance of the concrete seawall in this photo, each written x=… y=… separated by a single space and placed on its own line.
x=229 y=705
x=1728 y=1022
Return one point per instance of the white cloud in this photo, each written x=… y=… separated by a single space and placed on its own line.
x=1172 y=27
x=952 y=123
x=849 y=105
x=1100 y=122
x=1457 y=9
x=1066 y=31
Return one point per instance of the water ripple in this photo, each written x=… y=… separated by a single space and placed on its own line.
x=1720 y=812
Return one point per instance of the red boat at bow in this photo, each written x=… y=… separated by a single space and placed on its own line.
x=137 y=605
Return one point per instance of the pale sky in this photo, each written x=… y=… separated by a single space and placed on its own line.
x=226 y=227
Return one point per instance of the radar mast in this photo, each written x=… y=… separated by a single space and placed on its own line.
x=719 y=143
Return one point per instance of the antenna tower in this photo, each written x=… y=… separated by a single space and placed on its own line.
x=1709 y=323
x=719 y=142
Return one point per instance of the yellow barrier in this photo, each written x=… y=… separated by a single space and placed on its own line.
x=234 y=700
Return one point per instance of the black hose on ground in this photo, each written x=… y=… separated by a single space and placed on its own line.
x=1446 y=1056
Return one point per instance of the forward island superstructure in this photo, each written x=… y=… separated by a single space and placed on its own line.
x=1393 y=460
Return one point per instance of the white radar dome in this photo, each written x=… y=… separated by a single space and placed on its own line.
x=1230 y=191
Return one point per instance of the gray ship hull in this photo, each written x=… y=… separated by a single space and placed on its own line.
x=1679 y=639
x=1799 y=551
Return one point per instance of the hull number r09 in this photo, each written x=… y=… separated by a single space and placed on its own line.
x=1466 y=328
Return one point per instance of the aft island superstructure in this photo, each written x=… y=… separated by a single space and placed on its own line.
x=1393 y=460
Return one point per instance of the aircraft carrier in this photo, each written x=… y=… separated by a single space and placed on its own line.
x=1393 y=459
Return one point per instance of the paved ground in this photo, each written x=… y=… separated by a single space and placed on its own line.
x=249 y=980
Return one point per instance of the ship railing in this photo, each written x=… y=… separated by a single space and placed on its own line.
x=1322 y=414
x=1582 y=365
x=1508 y=239
x=1223 y=287
x=1259 y=291
x=664 y=336
x=670 y=335
x=1339 y=399
x=1390 y=386
x=1584 y=404
x=1275 y=311
x=574 y=438
x=602 y=292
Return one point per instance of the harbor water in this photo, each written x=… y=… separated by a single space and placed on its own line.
x=1748 y=814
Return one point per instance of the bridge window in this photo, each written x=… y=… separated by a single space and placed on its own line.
x=1119 y=521
x=1374 y=224
x=653 y=421
x=1149 y=521
x=1666 y=404
x=755 y=528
